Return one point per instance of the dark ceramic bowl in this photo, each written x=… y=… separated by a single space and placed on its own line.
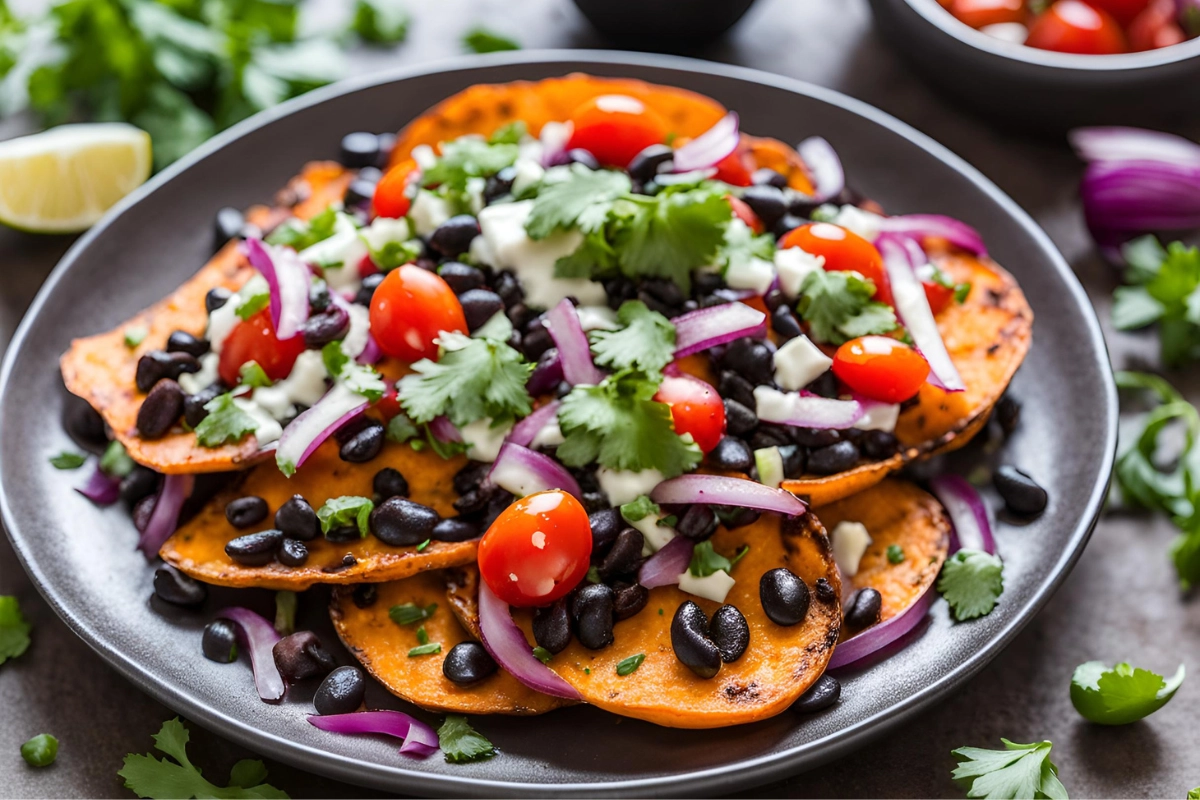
x=652 y=23
x=1036 y=90
x=83 y=560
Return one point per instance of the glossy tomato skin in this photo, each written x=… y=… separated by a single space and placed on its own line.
x=254 y=340
x=408 y=311
x=1123 y=11
x=939 y=296
x=615 y=128
x=880 y=368
x=734 y=169
x=1156 y=26
x=696 y=408
x=978 y=13
x=537 y=550
x=391 y=193
x=745 y=213
x=1073 y=26
x=843 y=251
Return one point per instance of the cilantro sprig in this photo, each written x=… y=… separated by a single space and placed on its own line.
x=582 y=199
x=462 y=744
x=707 y=561
x=68 y=460
x=646 y=342
x=1164 y=289
x=338 y=512
x=838 y=307
x=1018 y=772
x=299 y=234
x=1120 y=694
x=465 y=158
x=359 y=378
x=474 y=379
x=225 y=423
x=971 y=581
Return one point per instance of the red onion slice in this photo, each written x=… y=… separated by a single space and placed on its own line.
x=708 y=327
x=721 y=490
x=420 y=740
x=664 y=567
x=523 y=471
x=912 y=307
x=807 y=410
x=289 y=277
x=371 y=353
x=524 y=432
x=968 y=514
x=824 y=168
x=258 y=637
x=879 y=636
x=101 y=488
x=1117 y=143
x=164 y=518
x=567 y=332
x=707 y=149
x=507 y=645
x=307 y=431
x=1137 y=196
x=547 y=375
x=959 y=234
x=444 y=431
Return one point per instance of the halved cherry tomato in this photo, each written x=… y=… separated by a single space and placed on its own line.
x=615 y=128
x=745 y=213
x=978 y=13
x=254 y=340
x=843 y=251
x=881 y=368
x=1073 y=26
x=537 y=550
x=1155 y=27
x=391 y=193
x=696 y=408
x=939 y=296
x=389 y=405
x=734 y=169
x=408 y=311
x=1123 y=11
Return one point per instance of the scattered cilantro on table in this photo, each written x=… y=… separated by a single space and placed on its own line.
x=1121 y=694
x=14 y=630
x=225 y=423
x=68 y=460
x=1018 y=772
x=461 y=743
x=972 y=582
x=40 y=751
x=1164 y=289
x=380 y=21
x=473 y=379
x=838 y=307
x=165 y=779
x=411 y=613
x=1194 y=794
x=481 y=40
x=646 y=342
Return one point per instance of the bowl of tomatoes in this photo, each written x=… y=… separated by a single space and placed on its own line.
x=1049 y=65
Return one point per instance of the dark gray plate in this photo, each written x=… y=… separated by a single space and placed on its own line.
x=83 y=559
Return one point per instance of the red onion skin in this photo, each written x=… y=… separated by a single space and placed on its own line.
x=508 y=646
x=921 y=226
x=264 y=260
x=664 y=567
x=573 y=350
x=708 y=327
x=420 y=740
x=443 y=429
x=259 y=637
x=707 y=149
x=827 y=417
x=328 y=431
x=551 y=473
x=525 y=431
x=960 y=498
x=879 y=636
x=824 y=168
x=174 y=491
x=726 y=491
x=101 y=489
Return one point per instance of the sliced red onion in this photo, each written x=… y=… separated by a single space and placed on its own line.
x=1136 y=196
x=1117 y=143
x=547 y=374
x=523 y=471
x=968 y=514
x=824 y=168
x=708 y=327
x=258 y=637
x=371 y=354
x=444 y=431
x=101 y=488
x=720 y=490
x=912 y=307
x=420 y=740
x=707 y=149
x=523 y=432
x=563 y=323
x=164 y=518
x=307 y=431
x=919 y=226
x=508 y=646
x=664 y=567
x=735 y=295
x=807 y=410
x=289 y=278
x=879 y=636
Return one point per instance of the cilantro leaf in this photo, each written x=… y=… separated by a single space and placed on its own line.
x=134 y=337
x=1194 y=794
x=628 y=666
x=474 y=379
x=647 y=341
x=380 y=21
x=1018 y=772
x=971 y=581
x=465 y=158
x=1122 y=694
x=1166 y=290
x=1184 y=552
x=14 y=630
x=512 y=133
x=895 y=554
x=359 y=378
x=427 y=649
x=594 y=257
x=253 y=304
x=299 y=234
x=116 y=462
x=400 y=429
x=670 y=234
x=411 y=613
x=226 y=422
x=706 y=560
x=481 y=40
x=636 y=510
x=1143 y=482
x=338 y=512
x=251 y=374
x=582 y=200
x=68 y=460
x=838 y=307
x=461 y=743
x=741 y=246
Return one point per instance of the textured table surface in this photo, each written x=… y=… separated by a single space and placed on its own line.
x=1121 y=601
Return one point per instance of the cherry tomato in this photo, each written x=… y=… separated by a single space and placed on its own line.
x=734 y=169
x=1123 y=11
x=978 y=13
x=939 y=296
x=696 y=408
x=615 y=128
x=389 y=405
x=744 y=213
x=366 y=267
x=880 y=368
x=537 y=550
x=1073 y=26
x=391 y=193
x=843 y=251
x=1155 y=27
x=408 y=311
x=254 y=340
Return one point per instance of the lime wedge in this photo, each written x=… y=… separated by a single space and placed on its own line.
x=64 y=179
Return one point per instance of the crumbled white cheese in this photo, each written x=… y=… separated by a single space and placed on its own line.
x=755 y=274
x=850 y=541
x=304 y=386
x=866 y=224
x=484 y=441
x=656 y=536
x=424 y=156
x=355 y=340
x=269 y=429
x=794 y=265
x=193 y=382
x=597 y=318
x=799 y=362
x=772 y=404
x=384 y=230
x=475 y=187
x=625 y=486
x=529 y=173
x=550 y=435
x=481 y=252
x=880 y=417
x=714 y=587
x=339 y=255
x=427 y=212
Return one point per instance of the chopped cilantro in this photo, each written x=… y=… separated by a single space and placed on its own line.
x=68 y=460
x=627 y=666
x=462 y=744
x=358 y=378
x=1165 y=290
x=465 y=158
x=1018 y=772
x=444 y=450
x=40 y=751
x=741 y=246
x=134 y=337
x=542 y=654
x=411 y=613
x=116 y=462
x=481 y=40
x=647 y=340
x=961 y=290
x=400 y=429
x=1194 y=794
x=285 y=613
x=587 y=671
x=392 y=254
x=512 y=133
x=300 y=235
x=670 y=234
x=583 y=201
x=706 y=560
x=422 y=635
x=1122 y=694
x=838 y=307
x=14 y=630
x=638 y=509
x=380 y=21
x=253 y=304
x=593 y=575
x=421 y=547
x=971 y=581
x=477 y=378
x=225 y=423
x=346 y=510
x=251 y=374
x=895 y=554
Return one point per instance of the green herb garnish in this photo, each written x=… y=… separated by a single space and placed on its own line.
x=629 y=665
x=1018 y=772
x=1121 y=694
x=481 y=40
x=895 y=554
x=411 y=613
x=40 y=751
x=134 y=337
x=68 y=460
x=972 y=582
x=462 y=744
x=477 y=378
x=338 y=512
x=14 y=630
x=646 y=342
x=225 y=423
x=838 y=307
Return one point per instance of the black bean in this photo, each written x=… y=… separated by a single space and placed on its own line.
x=784 y=596
x=1021 y=493
x=824 y=591
x=751 y=359
x=731 y=454
x=735 y=517
x=344 y=533
x=698 y=523
x=645 y=164
x=254 y=549
x=365 y=595
x=594 y=501
x=342 y=691
x=765 y=176
x=219 y=642
x=774 y=299
x=816 y=437
x=468 y=663
x=863 y=609
x=403 y=523
x=535 y=343
x=473 y=501
x=227 y=224
x=618 y=290
x=359 y=149
x=606 y=525
x=768 y=435
x=194 y=410
x=301 y=656
x=833 y=459
x=216 y=297
x=784 y=323
x=387 y=142
x=786 y=223
x=825 y=385
x=139 y=483
x=689 y=640
x=360 y=192
x=292 y=553
x=455 y=529
x=878 y=444
x=319 y=298
x=592 y=608
x=184 y=342
x=666 y=291
x=767 y=202
x=820 y=696
x=732 y=386
x=479 y=305
x=552 y=626
x=366 y=290
x=388 y=482
x=496 y=505
x=793 y=460
x=729 y=632
x=471 y=476
x=453 y=237
x=630 y=600
x=1008 y=413
x=462 y=277
x=521 y=315
x=297 y=520
x=739 y=420
x=160 y=410
x=246 y=511
x=499 y=184
x=174 y=587
x=624 y=555
x=364 y=445
x=321 y=329
x=508 y=287
x=85 y=424
x=158 y=364
x=578 y=155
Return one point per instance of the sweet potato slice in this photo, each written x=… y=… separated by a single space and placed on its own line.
x=382 y=646
x=198 y=547
x=101 y=369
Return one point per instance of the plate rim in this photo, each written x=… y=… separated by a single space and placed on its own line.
x=743 y=774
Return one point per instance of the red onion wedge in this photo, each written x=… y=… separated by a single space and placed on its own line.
x=547 y=375
x=1117 y=143
x=721 y=490
x=101 y=488
x=444 y=431
x=523 y=471
x=563 y=323
x=289 y=279
x=258 y=636
x=968 y=514
x=1135 y=196
x=918 y=226
x=806 y=410
x=824 y=168
x=508 y=646
x=371 y=354
x=307 y=431
x=664 y=567
x=879 y=636
x=709 y=147
x=420 y=740
x=525 y=431
x=164 y=518
x=708 y=327
x=912 y=307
